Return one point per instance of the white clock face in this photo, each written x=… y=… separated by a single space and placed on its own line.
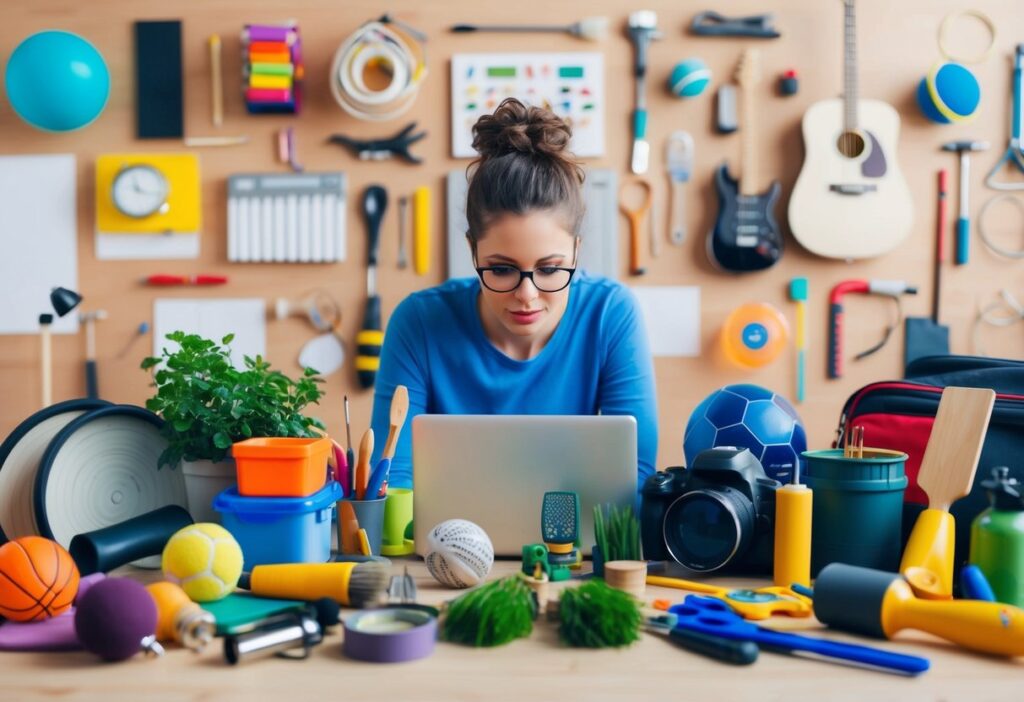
x=140 y=191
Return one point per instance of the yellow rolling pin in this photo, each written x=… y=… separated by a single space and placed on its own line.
x=880 y=604
x=421 y=230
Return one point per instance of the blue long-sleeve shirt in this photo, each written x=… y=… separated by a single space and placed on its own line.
x=597 y=360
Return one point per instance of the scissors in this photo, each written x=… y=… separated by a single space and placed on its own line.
x=636 y=219
x=750 y=604
x=709 y=615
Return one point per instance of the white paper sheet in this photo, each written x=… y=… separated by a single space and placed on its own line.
x=38 y=229
x=672 y=317
x=140 y=247
x=213 y=319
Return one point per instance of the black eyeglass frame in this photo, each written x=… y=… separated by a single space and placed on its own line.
x=480 y=270
x=525 y=274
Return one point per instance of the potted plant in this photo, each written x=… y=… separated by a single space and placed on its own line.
x=617 y=533
x=207 y=405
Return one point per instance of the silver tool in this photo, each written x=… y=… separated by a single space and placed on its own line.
x=1014 y=153
x=679 y=163
x=403 y=211
x=643 y=29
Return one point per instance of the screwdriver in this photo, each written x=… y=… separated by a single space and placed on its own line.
x=371 y=336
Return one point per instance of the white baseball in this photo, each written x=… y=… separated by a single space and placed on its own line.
x=459 y=553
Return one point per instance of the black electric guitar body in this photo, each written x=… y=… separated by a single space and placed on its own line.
x=746 y=235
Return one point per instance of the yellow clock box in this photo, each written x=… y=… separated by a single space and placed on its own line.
x=147 y=193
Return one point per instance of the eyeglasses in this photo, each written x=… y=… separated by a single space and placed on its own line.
x=504 y=279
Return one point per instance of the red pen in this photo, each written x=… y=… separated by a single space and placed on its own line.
x=166 y=279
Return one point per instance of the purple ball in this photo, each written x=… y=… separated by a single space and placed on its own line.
x=113 y=617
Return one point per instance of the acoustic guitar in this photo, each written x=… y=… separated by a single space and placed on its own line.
x=850 y=200
x=746 y=235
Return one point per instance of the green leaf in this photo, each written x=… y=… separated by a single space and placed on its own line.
x=227 y=339
x=182 y=425
x=149 y=362
x=222 y=440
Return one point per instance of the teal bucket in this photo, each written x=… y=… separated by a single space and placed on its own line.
x=857 y=512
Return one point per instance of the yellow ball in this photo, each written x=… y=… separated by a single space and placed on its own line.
x=205 y=560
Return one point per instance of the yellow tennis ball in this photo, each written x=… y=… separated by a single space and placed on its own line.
x=205 y=560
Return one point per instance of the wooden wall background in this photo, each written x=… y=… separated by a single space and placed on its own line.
x=897 y=45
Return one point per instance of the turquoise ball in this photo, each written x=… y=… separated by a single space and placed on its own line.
x=689 y=78
x=949 y=93
x=57 y=81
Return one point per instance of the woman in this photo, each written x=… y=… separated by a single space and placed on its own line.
x=530 y=334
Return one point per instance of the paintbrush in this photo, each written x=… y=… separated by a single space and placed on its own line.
x=348 y=584
x=363 y=465
x=350 y=454
x=399 y=410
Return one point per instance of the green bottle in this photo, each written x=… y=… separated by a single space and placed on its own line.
x=997 y=537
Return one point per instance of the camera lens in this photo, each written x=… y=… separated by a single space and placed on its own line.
x=707 y=528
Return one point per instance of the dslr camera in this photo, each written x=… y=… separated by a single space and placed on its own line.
x=716 y=515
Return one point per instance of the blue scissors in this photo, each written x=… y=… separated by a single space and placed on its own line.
x=712 y=616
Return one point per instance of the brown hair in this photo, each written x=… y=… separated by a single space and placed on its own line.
x=524 y=165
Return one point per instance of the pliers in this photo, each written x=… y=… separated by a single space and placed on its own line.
x=380 y=149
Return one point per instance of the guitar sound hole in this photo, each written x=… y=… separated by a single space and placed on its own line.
x=851 y=144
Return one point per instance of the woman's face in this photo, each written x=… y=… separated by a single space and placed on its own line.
x=527 y=242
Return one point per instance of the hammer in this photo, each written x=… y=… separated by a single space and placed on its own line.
x=91 y=382
x=963 y=224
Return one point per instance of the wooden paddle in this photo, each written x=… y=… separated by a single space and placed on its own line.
x=399 y=411
x=946 y=475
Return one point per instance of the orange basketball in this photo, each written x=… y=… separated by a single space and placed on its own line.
x=38 y=579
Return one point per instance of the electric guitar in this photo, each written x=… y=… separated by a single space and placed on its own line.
x=850 y=200
x=746 y=235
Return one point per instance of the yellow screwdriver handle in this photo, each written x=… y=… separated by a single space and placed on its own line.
x=990 y=627
x=421 y=230
x=931 y=547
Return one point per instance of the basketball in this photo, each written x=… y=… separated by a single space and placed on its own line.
x=38 y=579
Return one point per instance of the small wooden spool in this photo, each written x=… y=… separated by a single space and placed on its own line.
x=628 y=576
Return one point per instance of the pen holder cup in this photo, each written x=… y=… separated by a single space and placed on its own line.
x=858 y=508
x=370 y=515
x=397 y=518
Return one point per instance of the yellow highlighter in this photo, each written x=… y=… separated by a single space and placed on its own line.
x=421 y=230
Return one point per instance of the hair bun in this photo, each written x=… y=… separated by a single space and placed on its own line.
x=514 y=127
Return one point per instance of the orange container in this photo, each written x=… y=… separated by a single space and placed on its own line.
x=276 y=466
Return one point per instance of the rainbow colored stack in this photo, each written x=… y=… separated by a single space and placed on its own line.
x=272 y=68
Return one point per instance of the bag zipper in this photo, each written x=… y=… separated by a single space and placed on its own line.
x=855 y=399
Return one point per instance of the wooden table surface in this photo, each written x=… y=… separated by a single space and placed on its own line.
x=538 y=667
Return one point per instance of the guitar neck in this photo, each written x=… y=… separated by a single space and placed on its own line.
x=849 y=67
x=748 y=136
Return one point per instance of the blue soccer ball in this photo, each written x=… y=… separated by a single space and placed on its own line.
x=751 y=417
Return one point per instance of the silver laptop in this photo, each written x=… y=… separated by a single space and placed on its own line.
x=494 y=470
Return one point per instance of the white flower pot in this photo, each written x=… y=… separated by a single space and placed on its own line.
x=204 y=480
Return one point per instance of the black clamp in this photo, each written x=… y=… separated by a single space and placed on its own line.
x=381 y=149
x=713 y=24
